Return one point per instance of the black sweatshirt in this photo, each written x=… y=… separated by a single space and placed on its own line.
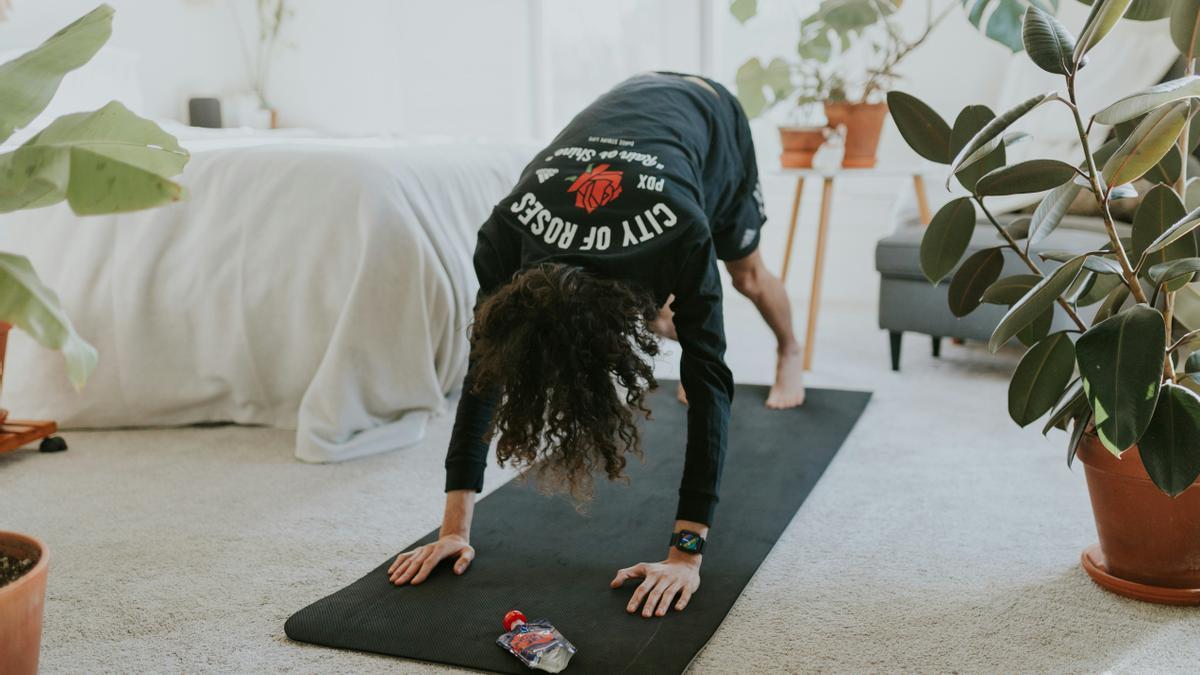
x=628 y=191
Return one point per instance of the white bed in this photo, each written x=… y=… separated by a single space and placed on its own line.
x=316 y=284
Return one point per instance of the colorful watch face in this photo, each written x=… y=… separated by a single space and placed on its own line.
x=688 y=541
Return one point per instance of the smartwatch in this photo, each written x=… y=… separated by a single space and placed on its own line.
x=687 y=541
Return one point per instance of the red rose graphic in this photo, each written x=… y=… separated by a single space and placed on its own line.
x=596 y=187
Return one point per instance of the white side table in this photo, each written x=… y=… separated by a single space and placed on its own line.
x=827 y=175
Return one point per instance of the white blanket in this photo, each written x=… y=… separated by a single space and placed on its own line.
x=320 y=285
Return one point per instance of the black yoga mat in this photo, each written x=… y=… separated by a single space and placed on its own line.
x=537 y=554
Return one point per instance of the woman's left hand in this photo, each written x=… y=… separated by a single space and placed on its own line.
x=678 y=575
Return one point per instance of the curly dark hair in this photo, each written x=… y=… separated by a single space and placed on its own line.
x=556 y=342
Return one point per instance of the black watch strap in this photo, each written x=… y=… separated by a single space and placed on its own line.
x=688 y=541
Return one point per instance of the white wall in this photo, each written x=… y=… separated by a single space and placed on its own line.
x=187 y=47
x=410 y=66
x=474 y=67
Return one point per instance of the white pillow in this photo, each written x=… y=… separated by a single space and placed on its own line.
x=112 y=74
x=1115 y=68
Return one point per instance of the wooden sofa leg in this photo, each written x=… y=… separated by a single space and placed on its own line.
x=895 y=337
x=937 y=346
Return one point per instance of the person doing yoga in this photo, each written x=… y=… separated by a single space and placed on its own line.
x=612 y=235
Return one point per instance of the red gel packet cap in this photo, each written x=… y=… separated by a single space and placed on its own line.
x=513 y=617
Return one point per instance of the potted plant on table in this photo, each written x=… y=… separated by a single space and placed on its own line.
x=105 y=161
x=1124 y=381
x=838 y=34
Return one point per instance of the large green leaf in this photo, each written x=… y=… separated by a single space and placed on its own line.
x=749 y=82
x=1115 y=301
x=947 y=238
x=1049 y=213
x=849 y=17
x=28 y=82
x=1185 y=26
x=977 y=273
x=969 y=122
x=1040 y=378
x=1160 y=209
x=30 y=305
x=1121 y=363
x=1174 y=232
x=107 y=161
x=1069 y=405
x=1038 y=329
x=988 y=138
x=1136 y=105
x=1144 y=10
x=1182 y=268
x=1035 y=175
x=778 y=77
x=1049 y=44
x=923 y=129
x=1004 y=22
x=1170 y=447
x=1004 y=25
x=1191 y=192
x=1102 y=265
x=743 y=10
x=1100 y=287
x=1018 y=228
x=1079 y=425
x=1148 y=10
x=1194 y=134
x=815 y=46
x=1166 y=171
x=1009 y=290
x=1153 y=138
x=1104 y=16
x=1039 y=299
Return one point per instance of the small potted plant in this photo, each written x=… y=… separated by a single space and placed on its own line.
x=838 y=33
x=78 y=159
x=1124 y=378
x=804 y=131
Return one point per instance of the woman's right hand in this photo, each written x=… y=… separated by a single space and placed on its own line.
x=413 y=567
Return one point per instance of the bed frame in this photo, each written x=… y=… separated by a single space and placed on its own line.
x=16 y=434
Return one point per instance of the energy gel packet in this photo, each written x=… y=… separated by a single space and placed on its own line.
x=537 y=644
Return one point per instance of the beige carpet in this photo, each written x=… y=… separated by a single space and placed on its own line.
x=941 y=539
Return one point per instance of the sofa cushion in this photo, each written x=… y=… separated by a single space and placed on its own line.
x=899 y=254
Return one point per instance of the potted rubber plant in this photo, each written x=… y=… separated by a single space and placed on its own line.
x=100 y=162
x=1124 y=379
x=837 y=34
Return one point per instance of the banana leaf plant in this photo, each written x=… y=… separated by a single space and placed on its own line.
x=1130 y=371
x=101 y=162
x=1001 y=20
x=819 y=69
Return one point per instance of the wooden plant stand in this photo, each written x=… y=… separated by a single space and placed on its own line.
x=916 y=173
x=16 y=434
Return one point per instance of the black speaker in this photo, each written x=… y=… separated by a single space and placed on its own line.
x=204 y=112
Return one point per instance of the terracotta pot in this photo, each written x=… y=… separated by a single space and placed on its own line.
x=21 y=607
x=800 y=145
x=4 y=328
x=863 y=123
x=1149 y=543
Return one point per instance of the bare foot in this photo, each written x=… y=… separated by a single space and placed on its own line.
x=788 y=390
x=681 y=394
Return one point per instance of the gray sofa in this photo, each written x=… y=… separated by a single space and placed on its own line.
x=908 y=303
